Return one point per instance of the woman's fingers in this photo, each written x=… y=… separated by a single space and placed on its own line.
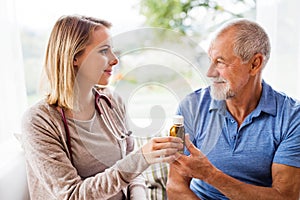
x=162 y=149
x=166 y=156
x=167 y=145
x=164 y=152
x=167 y=139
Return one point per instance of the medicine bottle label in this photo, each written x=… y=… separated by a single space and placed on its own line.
x=177 y=131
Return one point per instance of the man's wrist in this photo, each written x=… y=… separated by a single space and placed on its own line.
x=213 y=176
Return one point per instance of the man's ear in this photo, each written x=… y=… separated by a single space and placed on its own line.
x=256 y=63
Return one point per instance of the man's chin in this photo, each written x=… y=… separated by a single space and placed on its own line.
x=217 y=95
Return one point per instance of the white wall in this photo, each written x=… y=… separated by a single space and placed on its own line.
x=13 y=182
x=281 y=19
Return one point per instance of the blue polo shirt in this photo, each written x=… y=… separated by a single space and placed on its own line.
x=269 y=134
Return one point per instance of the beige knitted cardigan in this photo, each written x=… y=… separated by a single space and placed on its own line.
x=50 y=173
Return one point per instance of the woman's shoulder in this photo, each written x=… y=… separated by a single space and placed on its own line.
x=40 y=106
x=40 y=112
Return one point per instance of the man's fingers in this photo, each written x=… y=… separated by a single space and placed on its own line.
x=191 y=147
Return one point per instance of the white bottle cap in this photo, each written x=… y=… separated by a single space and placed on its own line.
x=178 y=119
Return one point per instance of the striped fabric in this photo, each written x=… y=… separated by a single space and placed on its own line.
x=156 y=176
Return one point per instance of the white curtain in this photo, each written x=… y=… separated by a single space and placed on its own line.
x=13 y=103
x=12 y=82
x=282 y=22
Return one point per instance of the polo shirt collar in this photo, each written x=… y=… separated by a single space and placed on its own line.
x=267 y=102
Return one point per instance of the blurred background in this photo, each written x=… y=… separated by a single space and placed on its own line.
x=161 y=45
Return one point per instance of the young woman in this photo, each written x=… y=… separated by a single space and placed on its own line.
x=76 y=141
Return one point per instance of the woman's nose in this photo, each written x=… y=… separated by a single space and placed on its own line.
x=114 y=60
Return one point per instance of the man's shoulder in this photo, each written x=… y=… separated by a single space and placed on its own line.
x=279 y=95
x=199 y=94
x=200 y=98
x=284 y=100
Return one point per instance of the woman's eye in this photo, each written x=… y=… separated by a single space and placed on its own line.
x=103 y=51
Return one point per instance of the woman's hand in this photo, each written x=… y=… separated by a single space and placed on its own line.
x=162 y=149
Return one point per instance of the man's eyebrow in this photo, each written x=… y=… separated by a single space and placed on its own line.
x=218 y=58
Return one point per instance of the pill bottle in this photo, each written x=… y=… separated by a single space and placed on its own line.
x=177 y=129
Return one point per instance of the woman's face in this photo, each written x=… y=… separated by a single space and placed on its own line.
x=96 y=63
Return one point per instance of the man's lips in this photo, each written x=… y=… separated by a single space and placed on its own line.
x=218 y=80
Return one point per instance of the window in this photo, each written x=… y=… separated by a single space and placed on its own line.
x=282 y=22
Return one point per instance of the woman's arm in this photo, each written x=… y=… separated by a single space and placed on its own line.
x=51 y=171
x=48 y=162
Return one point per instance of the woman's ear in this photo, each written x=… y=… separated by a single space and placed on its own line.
x=75 y=62
x=256 y=64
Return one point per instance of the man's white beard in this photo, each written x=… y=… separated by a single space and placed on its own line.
x=221 y=93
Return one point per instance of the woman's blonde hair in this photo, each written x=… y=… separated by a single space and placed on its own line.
x=68 y=39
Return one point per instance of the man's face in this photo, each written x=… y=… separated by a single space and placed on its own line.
x=227 y=71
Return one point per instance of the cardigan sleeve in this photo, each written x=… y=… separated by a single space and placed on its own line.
x=51 y=173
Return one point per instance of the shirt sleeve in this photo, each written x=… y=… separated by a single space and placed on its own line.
x=137 y=189
x=288 y=151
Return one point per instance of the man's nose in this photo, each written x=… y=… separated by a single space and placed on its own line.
x=212 y=71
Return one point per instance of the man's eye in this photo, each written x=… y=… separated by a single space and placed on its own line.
x=220 y=63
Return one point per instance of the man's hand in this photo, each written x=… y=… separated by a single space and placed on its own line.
x=286 y=181
x=196 y=165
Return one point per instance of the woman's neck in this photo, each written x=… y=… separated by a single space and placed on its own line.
x=85 y=105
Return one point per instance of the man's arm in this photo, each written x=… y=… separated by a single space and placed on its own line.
x=286 y=185
x=178 y=187
x=286 y=179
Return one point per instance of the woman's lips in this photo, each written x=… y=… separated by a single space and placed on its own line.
x=109 y=72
